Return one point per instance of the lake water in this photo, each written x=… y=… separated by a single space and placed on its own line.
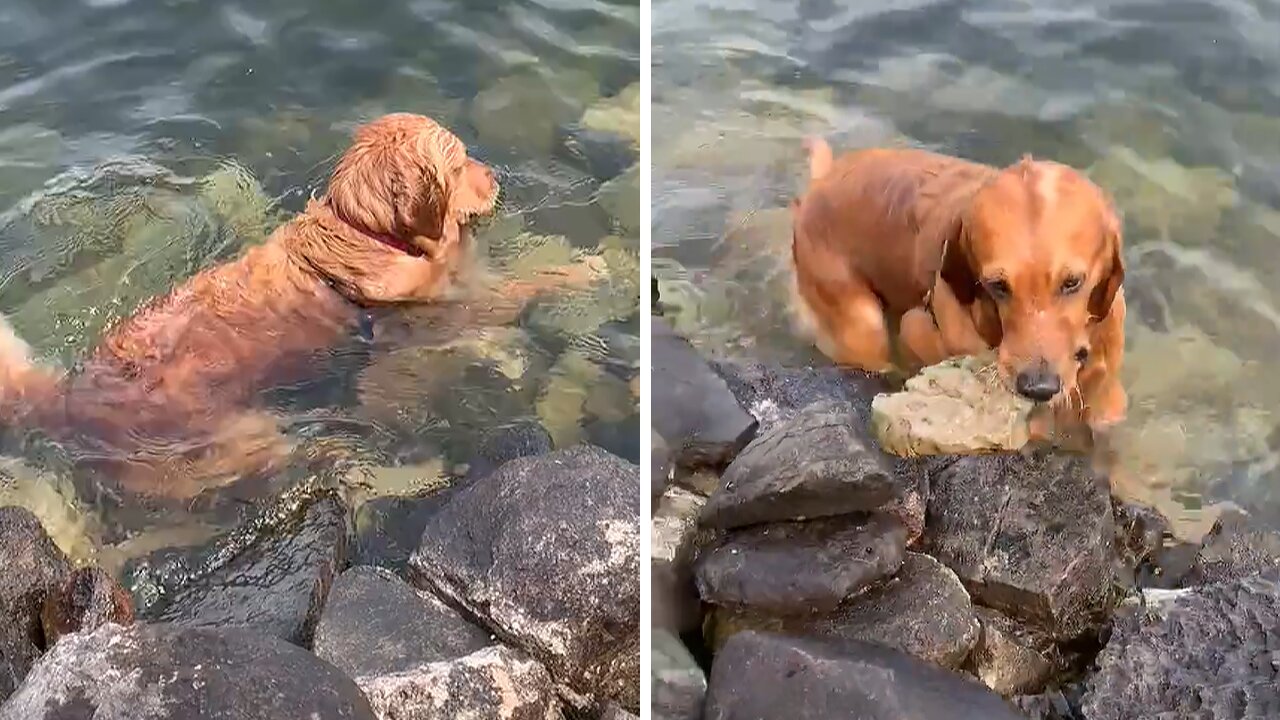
x=143 y=140
x=1173 y=107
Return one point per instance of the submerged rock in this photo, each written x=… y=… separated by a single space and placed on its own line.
x=375 y=624
x=923 y=611
x=1030 y=535
x=545 y=552
x=619 y=115
x=495 y=683
x=817 y=464
x=958 y=406
x=803 y=567
x=31 y=568
x=677 y=684
x=1206 y=654
x=693 y=410
x=166 y=672
x=764 y=675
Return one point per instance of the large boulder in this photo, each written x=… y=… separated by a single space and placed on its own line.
x=1031 y=535
x=693 y=410
x=923 y=610
x=275 y=585
x=166 y=672
x=768 y=676
x=1204 y=653
x=375 y=624
x=31 y=566
x=817 y=464
x=800 y=568
x=545 y=552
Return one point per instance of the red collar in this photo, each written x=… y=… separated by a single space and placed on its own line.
x=396 y=243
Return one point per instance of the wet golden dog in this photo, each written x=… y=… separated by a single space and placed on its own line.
x=165 y=403
x=962 y=258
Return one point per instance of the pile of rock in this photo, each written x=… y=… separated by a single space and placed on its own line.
x=521 y=600
x=817 y=576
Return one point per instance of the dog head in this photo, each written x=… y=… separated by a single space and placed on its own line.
x=1039 y=257
x=407 y=180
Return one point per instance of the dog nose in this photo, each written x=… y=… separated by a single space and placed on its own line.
x=1039 y=383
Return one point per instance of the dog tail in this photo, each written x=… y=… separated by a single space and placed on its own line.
x=821 y=158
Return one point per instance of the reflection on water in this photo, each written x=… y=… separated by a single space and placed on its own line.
x=1173 y=108
x=142 y=140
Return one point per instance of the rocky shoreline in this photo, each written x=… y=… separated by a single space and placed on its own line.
x=800 y=571
x=520 y=600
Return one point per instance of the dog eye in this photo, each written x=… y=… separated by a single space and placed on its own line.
x=999 y=289
x=1071 y=285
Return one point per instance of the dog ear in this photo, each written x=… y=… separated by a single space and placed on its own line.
x=1104 y=293
x=423 y=211
x=956 y=270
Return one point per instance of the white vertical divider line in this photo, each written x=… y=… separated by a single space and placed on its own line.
x=646 y=439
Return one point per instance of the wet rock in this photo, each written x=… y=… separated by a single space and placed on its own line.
x=1010 y=659
x=545 y=552
x=1234 y=549
x=31 y=566
x=1206 y=654
x=1031 y=535
x=87 y=599
x=693 y=410
x=775 y=394
x=815 y=465
x=923 y=611
x=764 y=675
x=1150 y=556
x=958 y=407
x=801 y=567
x=375 y=624
x=276 y=586
x=496 y=682
x=51 y=498
x=677 y=685
x=620 y=197
x=501 y=445
x=388 y=529
x=674 y=540
x=167 y=672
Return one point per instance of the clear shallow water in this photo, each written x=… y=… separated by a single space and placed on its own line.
x=143 y=140
x=1174 y=108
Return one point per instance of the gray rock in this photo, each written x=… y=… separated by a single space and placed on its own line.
x=770 y=677
x=388 y=529
x=1051 y=705
x=1031 y=535
x=659 y=465
x=923 y=611
x=1208 y=655
x=693 y=410
x=500 y=445
x=496 y=683
x=677 y=685
x=1011 y=659
x=673 y=541
x=817 y=464
x=613 y=712
x=800 y=568
x=1234 y=549
x=546 y=553
x=276 y=585
x=165 y=672
x=30 y=567
x=375 y=624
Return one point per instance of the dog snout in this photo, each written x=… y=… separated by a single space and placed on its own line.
x=1039 y=383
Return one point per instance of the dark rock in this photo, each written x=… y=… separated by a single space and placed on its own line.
x=1031 y=535
x=165 y=672
x=375 y=624
x=546 y=553
x=817 y=464
x=30 y=566
x=923 y=611
x=1207 y=654
x=768 y=676
x=496 y=682
x=1051 y=705
x=678 y=686
x=1011 y=659
x=277 y=585
x=659 y=464
x=1234 y=549
x=87 y=599
x=500 y=445
x=674 y=539
x=693 y=410
x=1149 y=556
x=775 y=395
x=800 y=568
x=388 y=529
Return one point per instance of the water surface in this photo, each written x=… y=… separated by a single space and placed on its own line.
x=1173 y=107
x=141 y=140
